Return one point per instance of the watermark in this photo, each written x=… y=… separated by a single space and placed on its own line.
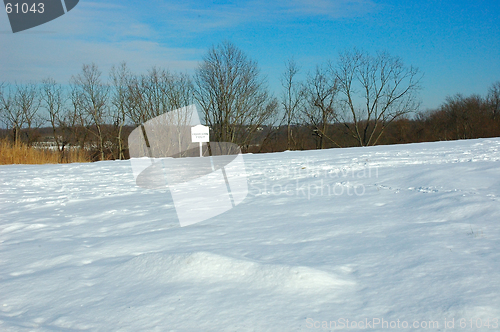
x=205 y=179
x=309 y=181
x=27 y=14
x=308 y=190
x=381 y=323
x=309 y=170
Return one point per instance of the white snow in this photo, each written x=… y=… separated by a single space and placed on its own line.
x=404 y=232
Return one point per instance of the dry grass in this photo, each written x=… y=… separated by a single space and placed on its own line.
x=20 y=153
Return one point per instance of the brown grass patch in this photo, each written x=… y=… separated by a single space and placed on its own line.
x=21 y=153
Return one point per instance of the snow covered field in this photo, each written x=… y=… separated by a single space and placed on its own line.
x=406 y=234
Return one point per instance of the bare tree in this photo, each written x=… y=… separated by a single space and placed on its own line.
x=20 y=105
x=376 y=90
x=91 y=96
x=150 y=101
x=233 y=97
x=10 y=118
x=466 y=115
x=157 y=92
x=53 y=98
x=75 y=122
x=494 y=99
x=292 y=99
x=180 y=91
x=137 y=111
x=28 y=102
x=321 y=92
x=121 y=78
x=154 y=85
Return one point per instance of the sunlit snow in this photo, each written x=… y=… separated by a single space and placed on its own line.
x=404 y=232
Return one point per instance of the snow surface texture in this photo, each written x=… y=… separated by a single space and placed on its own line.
x=408 y=232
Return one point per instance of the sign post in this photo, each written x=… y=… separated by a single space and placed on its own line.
x=201 y=135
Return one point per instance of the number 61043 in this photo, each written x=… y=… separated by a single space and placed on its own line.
x=25 y=8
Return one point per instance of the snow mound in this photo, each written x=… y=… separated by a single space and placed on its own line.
x=208 y=268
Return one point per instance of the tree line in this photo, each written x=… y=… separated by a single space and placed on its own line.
x=360 y=99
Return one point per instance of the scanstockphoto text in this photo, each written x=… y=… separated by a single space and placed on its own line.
x=313 y=181
x=381 y=323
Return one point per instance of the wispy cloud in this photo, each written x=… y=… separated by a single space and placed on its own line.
x=104 y=34
x=191 y=16
x=144 y=33
x=331 y=8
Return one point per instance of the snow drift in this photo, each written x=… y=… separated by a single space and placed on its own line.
x=407 y=232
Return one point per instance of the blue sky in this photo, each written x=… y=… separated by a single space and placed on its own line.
x=456 y=44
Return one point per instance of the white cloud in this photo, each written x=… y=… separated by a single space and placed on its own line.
x=104 y=34
x=331 y=8
x=191 y=17
x=142 y=33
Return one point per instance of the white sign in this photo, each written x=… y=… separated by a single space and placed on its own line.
x=200 y=134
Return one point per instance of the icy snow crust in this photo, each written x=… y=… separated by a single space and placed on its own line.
x=408 y=232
